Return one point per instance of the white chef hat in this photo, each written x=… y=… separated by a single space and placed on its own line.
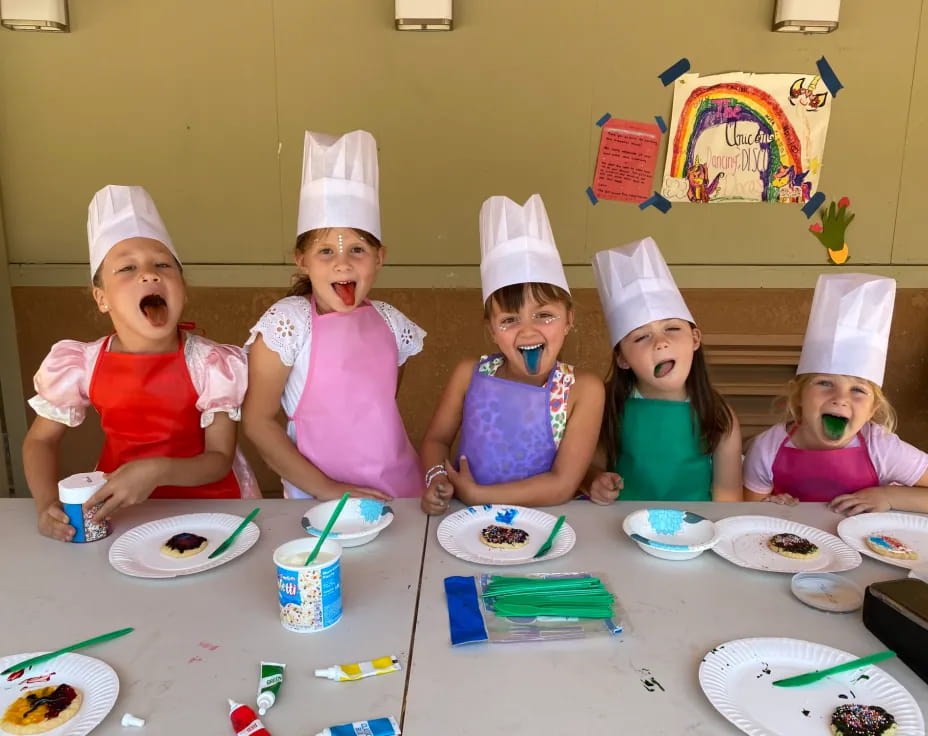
x=636 y=287
x=848 y=330
x=340 y=183
x=117 y=213
x=517 y=245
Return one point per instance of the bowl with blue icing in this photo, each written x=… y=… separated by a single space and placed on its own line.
x=360 y=521
x=671 y=534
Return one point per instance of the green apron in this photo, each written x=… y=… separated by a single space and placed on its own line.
x=662 y=457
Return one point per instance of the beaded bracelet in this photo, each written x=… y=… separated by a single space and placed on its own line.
x=433 y=472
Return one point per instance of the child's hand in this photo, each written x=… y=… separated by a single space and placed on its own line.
x=128 y=485
x=864 y=500
x=354 y=491
x=462 y=482
x=784 y=499
x=53 y=522
x=605 y=488
x=437 y=496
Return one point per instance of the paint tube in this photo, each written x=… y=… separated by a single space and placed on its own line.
x=374 y=727
x=245 y=721
x=348 y=672
x=272 y=675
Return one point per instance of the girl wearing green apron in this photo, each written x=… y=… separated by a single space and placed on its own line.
x=667 y=435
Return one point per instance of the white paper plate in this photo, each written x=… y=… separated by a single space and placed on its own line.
x=736 y=678
x=96 y=681
x=743 y=541
x=910 y=529
x=359 y=522
x=138 y=551
x=827 y=591
x=459 y=534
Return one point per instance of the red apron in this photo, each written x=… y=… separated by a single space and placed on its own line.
x=148 y=408
x=821 y=475
x=347 y=422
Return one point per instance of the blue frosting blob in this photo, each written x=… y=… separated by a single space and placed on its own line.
x=507 y=516
x=666 y=521
x=370 y=509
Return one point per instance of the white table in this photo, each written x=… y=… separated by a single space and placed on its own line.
x=676 y=612
x=55 y=594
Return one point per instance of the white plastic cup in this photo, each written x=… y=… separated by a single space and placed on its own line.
x=73 y=492
x=310 y=597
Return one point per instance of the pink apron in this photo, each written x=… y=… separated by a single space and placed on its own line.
x=821 y=475
x=347 y=422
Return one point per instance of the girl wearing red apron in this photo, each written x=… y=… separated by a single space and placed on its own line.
x=326 y=353
x=167 y=399
x=838 y=445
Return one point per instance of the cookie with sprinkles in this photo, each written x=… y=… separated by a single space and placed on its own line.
x=503 y=537
x=792 y=545
x=855 y=719
x=888 y=546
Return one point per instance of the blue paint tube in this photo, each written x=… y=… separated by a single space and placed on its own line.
x=374 y=727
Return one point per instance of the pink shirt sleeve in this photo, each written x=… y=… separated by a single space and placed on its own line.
x=758 y=461
x=220 y=377
x=895 y=461
x=62 y=383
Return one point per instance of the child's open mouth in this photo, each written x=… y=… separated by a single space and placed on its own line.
x=155 y=309
x=833 y=426
x=531 y=354
x=345 y=292
x=663 y=368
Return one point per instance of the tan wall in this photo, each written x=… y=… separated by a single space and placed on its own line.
x=453 y=320
x=206 y=103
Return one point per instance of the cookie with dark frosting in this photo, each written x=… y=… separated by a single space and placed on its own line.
x=854 y=719
x=792 y=545
x=184 y=544
x=504 y=537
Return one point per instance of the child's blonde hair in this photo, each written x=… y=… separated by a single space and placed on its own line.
x=883 y=411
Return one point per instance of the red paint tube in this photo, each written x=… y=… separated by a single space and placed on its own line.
x=245 y=721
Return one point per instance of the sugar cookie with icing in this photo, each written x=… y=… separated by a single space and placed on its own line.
x=41 y=710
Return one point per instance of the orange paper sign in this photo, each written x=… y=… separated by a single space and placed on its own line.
x=627 y=159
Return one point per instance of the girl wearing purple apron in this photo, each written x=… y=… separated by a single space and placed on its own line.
x=527 y=421
x=326 y=353
x=837 y=445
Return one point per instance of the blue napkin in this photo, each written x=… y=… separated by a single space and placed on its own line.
x=464 y=615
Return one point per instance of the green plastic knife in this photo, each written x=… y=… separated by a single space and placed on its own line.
x=854 y=664
x=51 y=655
x=225 y=545
x=543 y=550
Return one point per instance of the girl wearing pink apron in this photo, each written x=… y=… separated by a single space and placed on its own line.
x=328 y=355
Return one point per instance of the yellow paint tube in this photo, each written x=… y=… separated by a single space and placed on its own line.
x=349 y=672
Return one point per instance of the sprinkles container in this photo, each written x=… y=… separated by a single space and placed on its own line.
x=310 y=597
x=73 y=492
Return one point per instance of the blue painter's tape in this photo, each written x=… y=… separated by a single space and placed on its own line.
x=828 y=76
x=816 y=201
x=656 y=200
x=671 y=73
x=464 y=617
x=603 y=120
x=593 y=198
x=660 y=123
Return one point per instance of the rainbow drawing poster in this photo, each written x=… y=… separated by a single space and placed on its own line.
x=743 y=137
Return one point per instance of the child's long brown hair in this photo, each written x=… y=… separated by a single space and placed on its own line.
x=709 y=409
x=300 y=283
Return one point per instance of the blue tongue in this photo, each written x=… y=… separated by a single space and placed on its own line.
x=532 y=357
